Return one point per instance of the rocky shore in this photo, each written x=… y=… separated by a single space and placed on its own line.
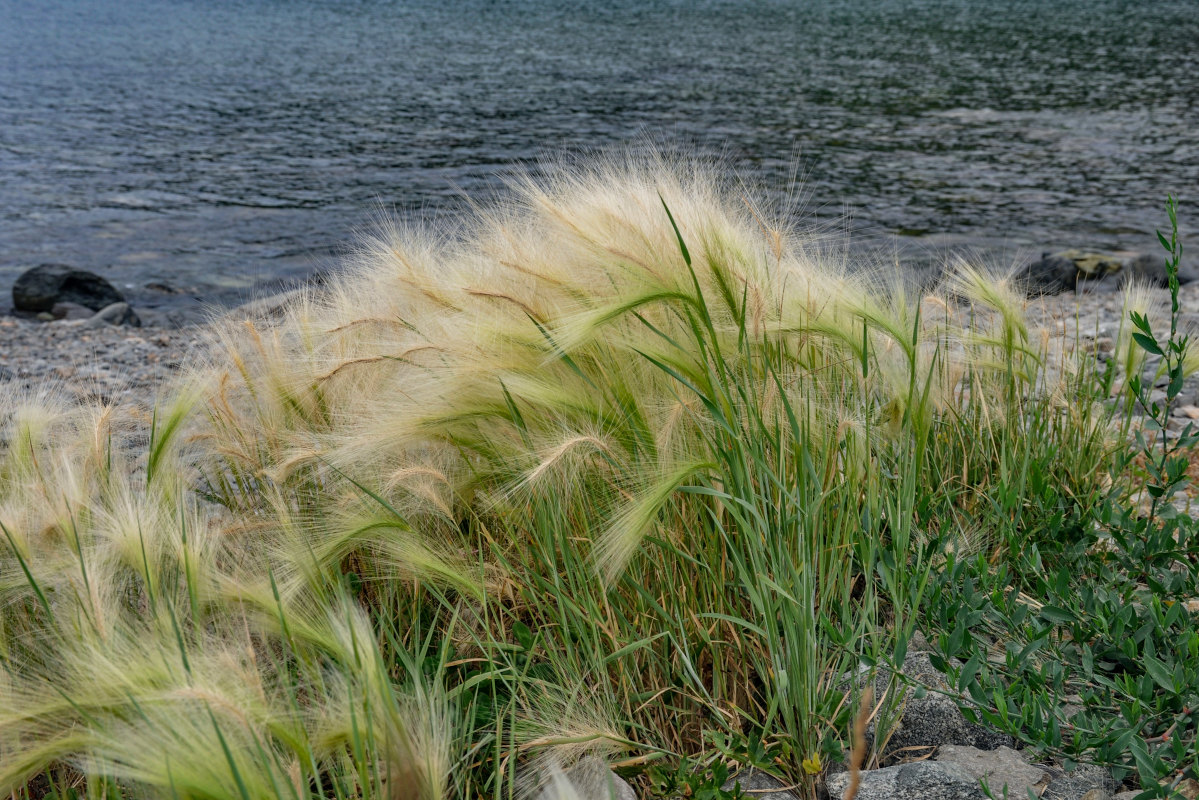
x=72 y=332
x=109 y=363
x=106 y=350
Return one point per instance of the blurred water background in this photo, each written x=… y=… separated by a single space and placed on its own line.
x=217 y=145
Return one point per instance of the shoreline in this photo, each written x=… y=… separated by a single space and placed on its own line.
x=129 y=365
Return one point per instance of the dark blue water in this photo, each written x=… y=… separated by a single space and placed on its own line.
x=213 y=145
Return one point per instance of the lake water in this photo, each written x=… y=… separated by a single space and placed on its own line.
x=215 y=144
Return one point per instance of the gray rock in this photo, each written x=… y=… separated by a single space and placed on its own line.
x=616 y=788
x=935 y=719
x=7 y=374
x=1003 y=768
x=1151 y=269
x=1091 y=265
x=115 y=314
x=173 y=318
x=39 y=288
x=760 y=786
x=591 y=779
x=1085 y=779
x=1051 y=274
x=70 y=311
x=267 y=308
x=922 y=780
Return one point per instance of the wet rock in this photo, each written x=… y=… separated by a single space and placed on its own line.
x=1004 y=769
x=115 y=314
x=757 y=784
x=1050 y=274
x=39 y=288
x=922 y=780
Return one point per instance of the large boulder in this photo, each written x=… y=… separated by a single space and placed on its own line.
x=44 y=286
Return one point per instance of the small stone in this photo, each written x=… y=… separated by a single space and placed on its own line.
x=71 y=311
x=115 y=314
x=591 y=779
x=1190 y=412
x=46 y=316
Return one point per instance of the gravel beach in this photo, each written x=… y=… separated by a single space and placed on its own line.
x=128 y=365
x=111 y=364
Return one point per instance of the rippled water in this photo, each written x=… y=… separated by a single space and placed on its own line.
x=212 y=145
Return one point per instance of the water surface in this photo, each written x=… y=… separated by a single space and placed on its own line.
x=214 y=145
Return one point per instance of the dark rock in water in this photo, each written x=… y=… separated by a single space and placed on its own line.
x=162 y=288
x=115 y=314
x=71 y=311
x=1051 y=274
x=1151 y=269
x=922 y=780
x=38 y=289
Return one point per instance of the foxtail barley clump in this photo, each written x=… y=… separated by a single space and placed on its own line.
x=613 y=468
